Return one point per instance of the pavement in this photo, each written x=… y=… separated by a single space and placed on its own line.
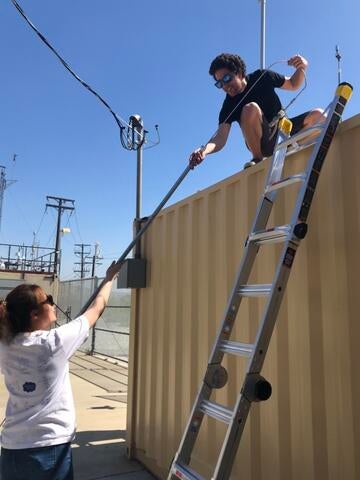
x=100 y=391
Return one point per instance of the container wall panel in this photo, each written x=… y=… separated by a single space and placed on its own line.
x=310 y=427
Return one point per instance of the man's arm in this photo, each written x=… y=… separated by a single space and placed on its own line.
x=215 y=144
x=295 y=81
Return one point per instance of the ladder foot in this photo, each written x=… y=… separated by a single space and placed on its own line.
x=257 y=388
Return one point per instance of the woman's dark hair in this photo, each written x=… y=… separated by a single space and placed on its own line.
x=234 y=63
x=15 y=311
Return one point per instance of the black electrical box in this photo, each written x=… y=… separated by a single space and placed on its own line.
x=132 y=273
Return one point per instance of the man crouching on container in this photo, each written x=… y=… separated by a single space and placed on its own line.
x=251 y=101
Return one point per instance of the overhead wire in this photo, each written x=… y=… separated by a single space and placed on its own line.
x=53 y=234
x=77 y=226
x=20 y=211
x=283 y=110
x=122 y=124
x=41 y=221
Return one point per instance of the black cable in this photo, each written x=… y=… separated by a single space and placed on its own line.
x=120 y=122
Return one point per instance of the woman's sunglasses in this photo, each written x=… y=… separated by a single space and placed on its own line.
x=223 y=81
x=49 y=301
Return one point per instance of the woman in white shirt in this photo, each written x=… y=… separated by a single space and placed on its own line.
x=40 y=417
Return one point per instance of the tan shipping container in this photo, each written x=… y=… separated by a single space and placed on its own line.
x=310 y=427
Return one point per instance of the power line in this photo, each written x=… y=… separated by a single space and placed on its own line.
x=122 y=124
x=77 y=225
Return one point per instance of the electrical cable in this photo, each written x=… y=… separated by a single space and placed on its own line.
x=52 y=236
x=283 y=110
x=77 y=226
x=22 y=213
x=154 y=144
x=122 y=124
x=40 y=224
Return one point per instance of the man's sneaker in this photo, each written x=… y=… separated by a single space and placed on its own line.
x=252 y=162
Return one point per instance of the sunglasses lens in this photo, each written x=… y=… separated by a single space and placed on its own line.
x=50 y=300
x=226 y=79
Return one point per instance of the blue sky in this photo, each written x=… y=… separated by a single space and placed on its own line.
x=149 y=58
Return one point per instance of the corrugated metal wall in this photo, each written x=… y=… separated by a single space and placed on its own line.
x=310 y=427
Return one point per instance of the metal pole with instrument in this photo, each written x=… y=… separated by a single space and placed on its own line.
x=140 y=232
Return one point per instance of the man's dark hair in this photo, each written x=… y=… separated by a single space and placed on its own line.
x=234 y=63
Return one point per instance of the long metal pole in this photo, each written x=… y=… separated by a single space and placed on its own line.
x=140 y=232
x=263 y=28
x=139 y=128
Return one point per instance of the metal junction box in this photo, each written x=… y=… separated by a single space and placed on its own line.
x=132 y=273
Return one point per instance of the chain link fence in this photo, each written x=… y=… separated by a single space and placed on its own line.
x=110 y=335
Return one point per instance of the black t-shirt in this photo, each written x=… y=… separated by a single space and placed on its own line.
x=263 y=94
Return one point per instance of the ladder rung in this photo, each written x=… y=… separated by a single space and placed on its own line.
x=297 y=147
x=300 y=177
x=299 y=136
x=255 y=290
x=272 y=235
x=237 y=348
x=185 y=472
x=214 y=410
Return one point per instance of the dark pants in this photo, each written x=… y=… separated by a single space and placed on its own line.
x=42 y=463
x=269 y=134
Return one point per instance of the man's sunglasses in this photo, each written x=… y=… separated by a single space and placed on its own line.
x=49 y=301
x=223 y=81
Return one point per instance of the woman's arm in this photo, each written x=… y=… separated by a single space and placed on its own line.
x=97 y=307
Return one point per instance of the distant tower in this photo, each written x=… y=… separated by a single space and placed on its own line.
x=4 y=184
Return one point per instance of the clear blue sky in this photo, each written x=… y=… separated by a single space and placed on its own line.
x=143 y=57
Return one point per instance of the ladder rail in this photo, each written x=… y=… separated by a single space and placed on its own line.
x=234 y=433
x=216 y=356
x=292 y=235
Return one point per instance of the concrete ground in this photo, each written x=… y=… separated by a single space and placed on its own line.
x=100 y=388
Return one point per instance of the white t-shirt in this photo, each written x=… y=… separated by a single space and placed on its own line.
x=40 y=409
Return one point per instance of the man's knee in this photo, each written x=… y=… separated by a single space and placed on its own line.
x=315 y=116
x=251 y=113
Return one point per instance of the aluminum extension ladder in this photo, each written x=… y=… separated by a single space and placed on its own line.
x=255 y=387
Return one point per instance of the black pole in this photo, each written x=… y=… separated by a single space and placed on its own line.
x=61 y=204
x=93 y=266
x=140 y=233
x=57 y=241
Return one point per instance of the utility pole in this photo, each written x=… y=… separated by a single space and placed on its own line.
x=95 y=257
x=4 y=184
x=83 y=251
x=60 y=204
x=262 y=38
